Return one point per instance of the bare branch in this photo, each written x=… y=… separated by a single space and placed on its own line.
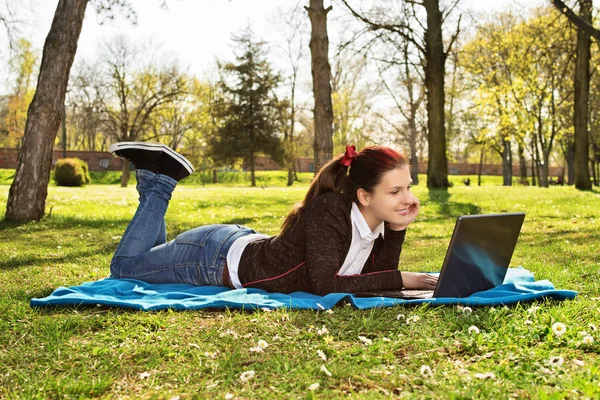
x=399 y=29
x=575 y=19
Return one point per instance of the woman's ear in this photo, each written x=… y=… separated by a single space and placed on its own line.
x=363 y=197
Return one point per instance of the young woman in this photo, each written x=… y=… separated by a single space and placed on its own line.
x=345 y=236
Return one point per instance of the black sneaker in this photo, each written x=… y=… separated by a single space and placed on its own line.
x=154 y=157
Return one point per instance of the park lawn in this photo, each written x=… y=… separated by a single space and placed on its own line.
x=74 y=352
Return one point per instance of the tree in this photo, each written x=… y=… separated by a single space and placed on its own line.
x=137 y=90
x=351 y=97
x=430 y=44
x=580 y=147
x=321 y=74
x=582 y=90
x=520 y=69
x=248 y=109
x=14 y=114
x=29 y=189
x=292 y=27
x=27 y=194
x=88 y=91
x=407 y=90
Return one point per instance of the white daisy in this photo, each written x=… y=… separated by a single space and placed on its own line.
x=228 y=396
x=314 y=386
x=473 y=330
x=246 y=376
x=588 y=340
x=321 y=354
x=400 y=316
x=144 y=375
x=556 y=361
x=323 y=331
x=559 y=328
x=263 y=344
x=265 y=309
x=528 y=322
x=426 y=371
x=533 y=309
x=593 y=327
x=325 y=370
x=328 y=311
x=211 y=354
x=365 y=340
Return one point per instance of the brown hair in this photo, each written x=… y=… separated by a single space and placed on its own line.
x=366 y=172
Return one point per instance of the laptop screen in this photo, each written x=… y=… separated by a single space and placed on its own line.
x=479 y=253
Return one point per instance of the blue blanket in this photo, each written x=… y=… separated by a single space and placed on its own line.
x=519 y=286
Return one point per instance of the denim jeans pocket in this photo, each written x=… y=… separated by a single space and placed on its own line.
x=198 y=236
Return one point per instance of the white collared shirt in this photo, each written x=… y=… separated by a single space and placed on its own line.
x=362 y=243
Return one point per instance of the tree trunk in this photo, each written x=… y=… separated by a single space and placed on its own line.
x=124 y=172
x=412 y=142
x=28 y=192
x=252 y=176
x=435 y=58
x=534 y=174
x=582 y=89
x=545 y=169
x=321 y=75
x=506 y=163
x=570 y=159
x=480 y=165
x=215 y=175
x=522 y=164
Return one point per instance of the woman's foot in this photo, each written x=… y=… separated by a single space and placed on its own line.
x=154 y=157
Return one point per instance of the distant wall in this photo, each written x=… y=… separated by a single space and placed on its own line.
x=307 y=165
x=104 y=161
x=96 y=160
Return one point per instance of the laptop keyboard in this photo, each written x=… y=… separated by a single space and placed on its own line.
x=417 y=292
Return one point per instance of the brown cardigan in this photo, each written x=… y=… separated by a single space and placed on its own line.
x=308 y=255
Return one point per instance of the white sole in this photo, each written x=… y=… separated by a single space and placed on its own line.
x=153 y=147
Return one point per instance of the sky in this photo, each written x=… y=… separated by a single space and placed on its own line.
x=195 y=32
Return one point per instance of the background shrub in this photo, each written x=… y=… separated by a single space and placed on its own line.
x=71 y=172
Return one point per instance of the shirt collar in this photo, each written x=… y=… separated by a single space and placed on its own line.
x=363 y=226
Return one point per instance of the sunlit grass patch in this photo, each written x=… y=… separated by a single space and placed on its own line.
x=544 y=349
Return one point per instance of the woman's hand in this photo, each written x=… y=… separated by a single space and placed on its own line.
x=417 y=280
x=413 y=211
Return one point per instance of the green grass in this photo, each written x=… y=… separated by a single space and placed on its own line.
x=75 y=352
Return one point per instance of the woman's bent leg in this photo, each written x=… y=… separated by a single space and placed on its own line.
x=148 y=222
x=143 y=183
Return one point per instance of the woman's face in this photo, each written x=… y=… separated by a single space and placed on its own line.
x=390 y=199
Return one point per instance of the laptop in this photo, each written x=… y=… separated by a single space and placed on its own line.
x=477 y=258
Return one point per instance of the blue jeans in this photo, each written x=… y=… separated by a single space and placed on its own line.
x=196 y=256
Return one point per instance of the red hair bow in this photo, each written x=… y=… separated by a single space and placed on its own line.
x=349 y=155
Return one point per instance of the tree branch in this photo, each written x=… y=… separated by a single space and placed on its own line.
x=389 y=27
x=575 y=19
